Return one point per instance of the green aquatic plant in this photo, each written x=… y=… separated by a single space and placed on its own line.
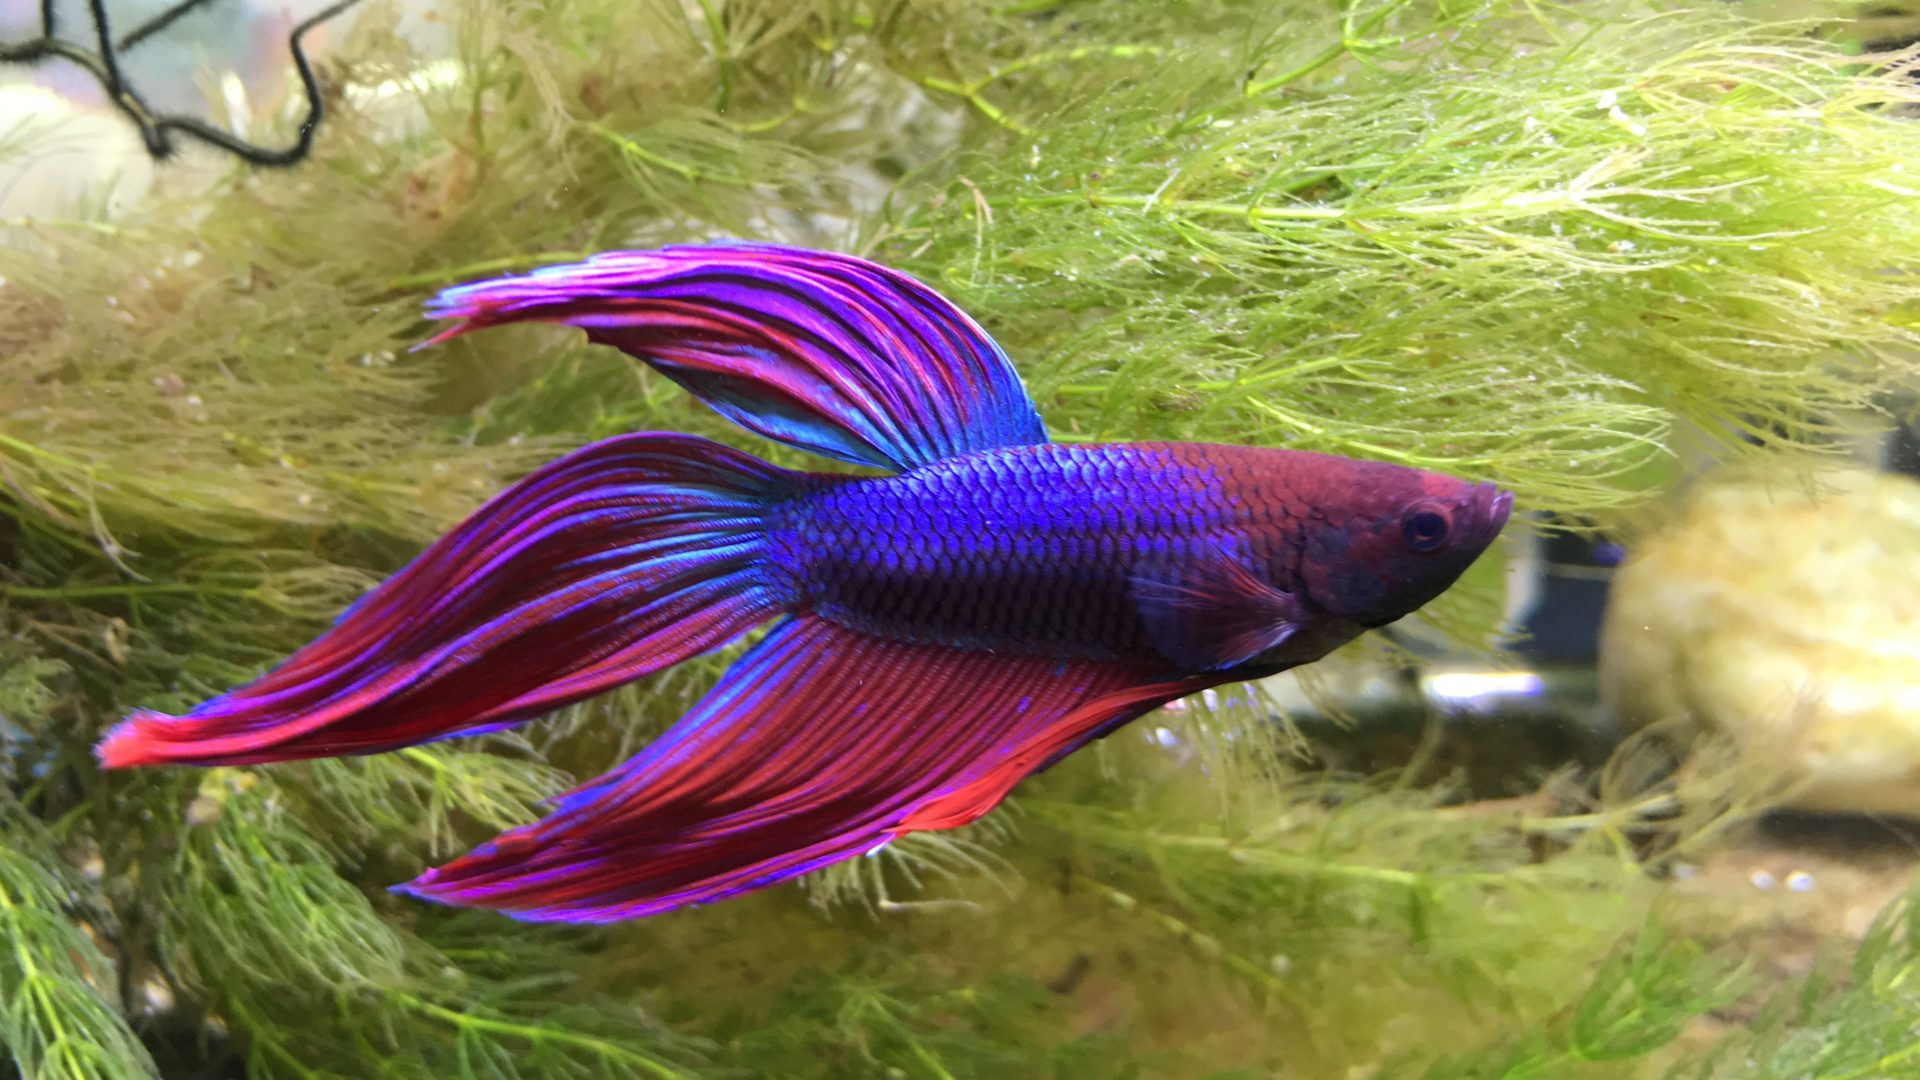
x=1517 y=241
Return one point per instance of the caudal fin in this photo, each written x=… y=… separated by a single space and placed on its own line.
x=618 y=560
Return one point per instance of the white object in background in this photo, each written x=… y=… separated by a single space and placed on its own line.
x=58 y=158
x=1784 y=611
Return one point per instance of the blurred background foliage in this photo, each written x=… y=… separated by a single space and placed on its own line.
x=1535 y=243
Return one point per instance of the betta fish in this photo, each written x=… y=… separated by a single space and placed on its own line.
x=988 y=604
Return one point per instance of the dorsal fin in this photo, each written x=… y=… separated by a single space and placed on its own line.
x=826 y=352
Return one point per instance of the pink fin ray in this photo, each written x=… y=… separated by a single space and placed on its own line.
x=818 y=745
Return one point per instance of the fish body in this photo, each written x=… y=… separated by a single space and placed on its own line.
x=1067 y=550
x=934 y=634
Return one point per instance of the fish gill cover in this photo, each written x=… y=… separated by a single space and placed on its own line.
x=1515 y=242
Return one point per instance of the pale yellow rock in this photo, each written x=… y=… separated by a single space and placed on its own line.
x=1784 y=612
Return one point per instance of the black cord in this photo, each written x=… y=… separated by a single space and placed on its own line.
x=158 y=23
x=157 y=130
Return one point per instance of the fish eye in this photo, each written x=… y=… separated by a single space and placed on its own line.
x=1425 y=528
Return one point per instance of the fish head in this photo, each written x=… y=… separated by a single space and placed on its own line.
x=1383 y=540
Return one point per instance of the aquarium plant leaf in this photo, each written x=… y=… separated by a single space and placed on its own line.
x=57 y=1019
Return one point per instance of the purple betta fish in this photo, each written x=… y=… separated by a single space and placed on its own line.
x=990 y=605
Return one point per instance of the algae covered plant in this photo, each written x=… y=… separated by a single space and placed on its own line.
x=1567 y=249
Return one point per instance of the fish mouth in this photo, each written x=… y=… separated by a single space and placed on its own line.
x=1491 y=507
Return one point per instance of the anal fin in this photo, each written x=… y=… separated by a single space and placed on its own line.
x=818 y=745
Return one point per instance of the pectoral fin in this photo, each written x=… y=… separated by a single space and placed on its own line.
x=1210 y=613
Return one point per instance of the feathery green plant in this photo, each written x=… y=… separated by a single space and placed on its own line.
x=1517 y=241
